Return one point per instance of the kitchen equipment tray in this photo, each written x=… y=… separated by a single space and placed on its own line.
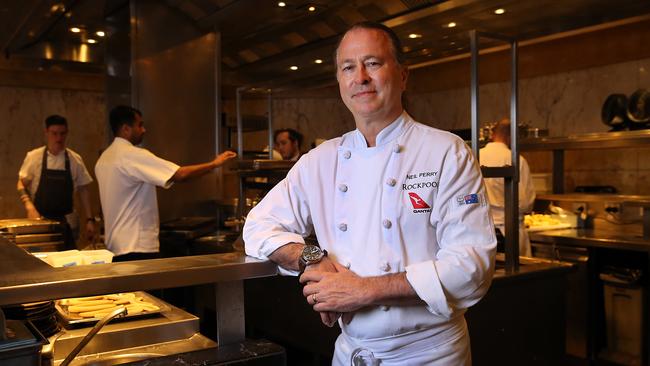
x=71 y=319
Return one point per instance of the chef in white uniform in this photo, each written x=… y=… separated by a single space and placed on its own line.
x=400 y=213
x=127 y=176
x=496 y=154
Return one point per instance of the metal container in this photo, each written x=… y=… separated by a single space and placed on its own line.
x=29 y=226
x=23 y=346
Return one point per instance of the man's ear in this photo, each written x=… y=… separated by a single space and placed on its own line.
x=405 y=75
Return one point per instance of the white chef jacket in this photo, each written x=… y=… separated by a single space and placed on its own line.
x=33 y=164
x=127 y=176
x=414 y=203
x=497 y=154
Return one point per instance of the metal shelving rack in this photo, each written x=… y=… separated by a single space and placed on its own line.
x=510 y=174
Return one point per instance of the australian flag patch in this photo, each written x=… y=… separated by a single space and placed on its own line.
x=468 y=199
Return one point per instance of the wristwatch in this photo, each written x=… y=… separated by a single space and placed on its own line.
x=311 y=254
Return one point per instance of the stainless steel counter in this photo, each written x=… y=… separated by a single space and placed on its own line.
x=592 y=238
x=24 y=278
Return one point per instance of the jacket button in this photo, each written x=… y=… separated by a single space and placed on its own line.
x=343 y=227
x=384 y=307
x=391 y=182
x=347 y=154
x=385 y=267
x=346 y=265
x=387 y=224
x=397 y=148
x=343 y=188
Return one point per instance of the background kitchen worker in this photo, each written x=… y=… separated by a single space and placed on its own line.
x=399 y=209
x=127 y=176
x=495 y=154
x=287 y=141
x=48 y=178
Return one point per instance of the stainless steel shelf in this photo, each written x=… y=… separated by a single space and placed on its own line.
x=599 y=140
x=24 y=278
x=627 y=199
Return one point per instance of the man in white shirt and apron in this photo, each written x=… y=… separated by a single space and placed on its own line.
x=496 y=154
x=49 y=177
x=399 y=209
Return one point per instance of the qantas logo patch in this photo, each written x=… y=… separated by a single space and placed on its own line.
x=419 y=205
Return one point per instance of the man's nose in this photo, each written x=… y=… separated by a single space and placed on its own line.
x=361 y=76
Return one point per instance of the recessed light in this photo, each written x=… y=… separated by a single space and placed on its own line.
x=311 y=8
x=91 y=41
x=294 y=67
x=282 y=4
x=415 y=35
x=318 y=61
x=451 y=25
x=75 y=29
x=100 y=33
x=499 y=11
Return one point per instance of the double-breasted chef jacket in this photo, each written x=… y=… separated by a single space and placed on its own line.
x=414 y=203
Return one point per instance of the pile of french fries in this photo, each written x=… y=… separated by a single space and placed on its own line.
x=100 y=306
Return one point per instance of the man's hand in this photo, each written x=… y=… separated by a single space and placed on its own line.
x=223 y=157
x=90 y=231
x=325 y=265
x=341 y=292
x=32 y=212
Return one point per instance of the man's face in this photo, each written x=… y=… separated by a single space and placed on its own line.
x=55 y=136
x=371 y=81
x=137 y=130
x=287 y=148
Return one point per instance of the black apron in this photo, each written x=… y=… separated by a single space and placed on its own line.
x=53 y=198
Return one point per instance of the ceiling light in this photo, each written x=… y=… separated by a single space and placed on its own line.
x=311 y=8
x=91 y=41
x=57 y=8
x=499 y=11
x=100 y=33
x=75 y=30
x=451 y=25
x=294 y=67
x=318 y=61
x=282 y=4
x=415 y=35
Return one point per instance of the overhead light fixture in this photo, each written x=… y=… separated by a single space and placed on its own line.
x=415 y=35
x=100 y=33
x=282 y=4
x=294 y=67
x=57 y=8
x=91 y=41
x=451 y=25
x=499 y=11
x=75 y=29
x=318 y=61
x=311 y=8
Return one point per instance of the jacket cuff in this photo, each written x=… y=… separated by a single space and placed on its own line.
x=424 y=279
x=280 y=240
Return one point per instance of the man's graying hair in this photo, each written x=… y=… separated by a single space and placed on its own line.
x=396 y=44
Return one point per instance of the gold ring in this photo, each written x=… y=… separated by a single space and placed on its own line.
x=313 y=297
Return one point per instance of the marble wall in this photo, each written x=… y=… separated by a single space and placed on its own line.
x=564 y=103
x=22 y=114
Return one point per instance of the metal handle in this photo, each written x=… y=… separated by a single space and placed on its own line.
x=119 y=312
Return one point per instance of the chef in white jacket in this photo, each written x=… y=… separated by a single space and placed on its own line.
x=496 y=154
x=399 y=209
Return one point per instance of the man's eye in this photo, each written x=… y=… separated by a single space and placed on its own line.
x=347 y=68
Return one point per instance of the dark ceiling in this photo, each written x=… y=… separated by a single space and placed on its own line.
x=262 y=40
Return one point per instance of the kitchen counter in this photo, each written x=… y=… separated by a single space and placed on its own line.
x=25 y=278
x=592 y=238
